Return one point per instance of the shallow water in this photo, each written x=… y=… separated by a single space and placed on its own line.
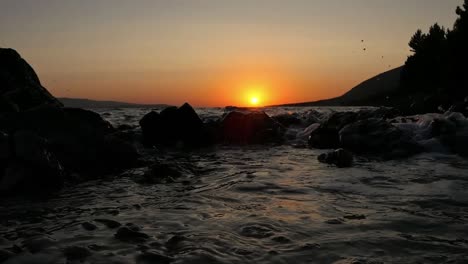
x=273 y=204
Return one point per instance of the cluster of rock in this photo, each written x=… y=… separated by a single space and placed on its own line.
x=183 y=127
x=364 y=132
x=42 y=143
x=385 y=135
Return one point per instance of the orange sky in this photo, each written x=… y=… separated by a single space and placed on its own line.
x=214 y=52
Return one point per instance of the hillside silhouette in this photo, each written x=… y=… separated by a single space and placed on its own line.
x=433 y=79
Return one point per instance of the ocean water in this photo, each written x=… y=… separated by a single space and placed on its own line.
x=255 y=204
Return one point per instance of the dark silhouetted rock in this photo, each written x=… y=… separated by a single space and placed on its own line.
x=340 y=157
x=441 y=127
x=377 y=137
x=457 y=142
x=128 y=234
x=80 y=139
x=89 y=226
x=174 y=126
x=250 y=127
x=323 y=137
x=109 y=223
x=287 y=120
x=32 y=168
x=20 y=88
x=326 y=136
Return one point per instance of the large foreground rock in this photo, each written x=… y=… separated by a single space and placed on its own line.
x=20 y=88
x=28 y=166
x=377 y=137
x=81 y=140
x=250 y=127
x=41 y=142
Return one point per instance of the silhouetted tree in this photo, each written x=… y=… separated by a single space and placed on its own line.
x=439 y=64
x=458 y=53
x=424 y=70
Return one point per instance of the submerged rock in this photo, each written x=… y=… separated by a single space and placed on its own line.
x=250 y=127
x=379 y=138
x=340 y=157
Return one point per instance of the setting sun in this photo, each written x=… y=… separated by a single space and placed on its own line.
x=254 y=101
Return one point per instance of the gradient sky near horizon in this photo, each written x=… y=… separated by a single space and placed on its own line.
x=213 y=52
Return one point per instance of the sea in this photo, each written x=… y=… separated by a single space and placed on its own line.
x=253 y=204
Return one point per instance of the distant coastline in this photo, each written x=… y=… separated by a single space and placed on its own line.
x=87 y=103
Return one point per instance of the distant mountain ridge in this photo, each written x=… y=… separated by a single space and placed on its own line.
x=369 y=92
x=87 y=103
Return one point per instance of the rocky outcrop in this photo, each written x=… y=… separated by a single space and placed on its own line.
x=20 y=88
x=250 y=127
x=41 y=142
x=81 y=140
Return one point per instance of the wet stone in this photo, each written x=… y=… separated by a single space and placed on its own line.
x=174 y=242
x=128 y=235
x=109 y=223
x=256 y=231
x=281 y=239
x=89 y=226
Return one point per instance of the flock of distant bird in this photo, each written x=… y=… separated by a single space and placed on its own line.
x=365 y=49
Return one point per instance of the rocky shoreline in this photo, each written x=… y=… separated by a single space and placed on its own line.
x=44 y=145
